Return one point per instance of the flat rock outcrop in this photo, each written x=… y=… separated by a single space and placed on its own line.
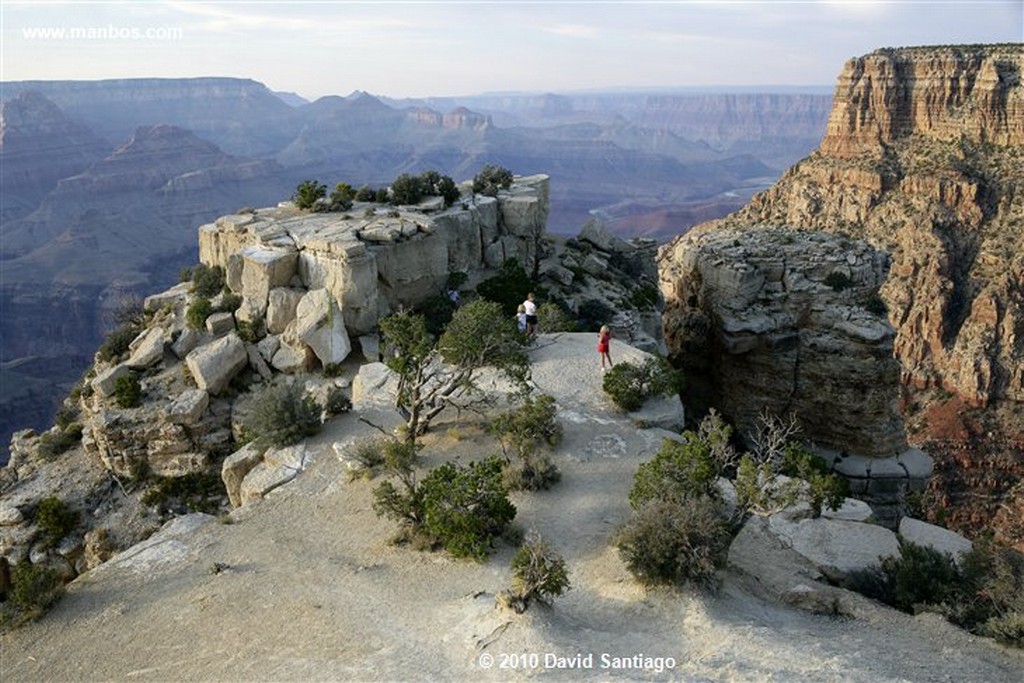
x=776 y=320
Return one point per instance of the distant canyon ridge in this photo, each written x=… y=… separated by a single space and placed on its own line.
x=104 y=183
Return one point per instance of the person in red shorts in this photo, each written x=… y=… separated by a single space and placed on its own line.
x=604 y=342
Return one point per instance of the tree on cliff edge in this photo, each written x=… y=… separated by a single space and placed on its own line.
x=434 y=375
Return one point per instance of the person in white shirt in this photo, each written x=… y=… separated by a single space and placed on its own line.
x=531 y=314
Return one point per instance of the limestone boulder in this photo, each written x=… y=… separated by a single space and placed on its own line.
x=147 y=349
x=220 y=323
x=188 y=407
x=934 y=537
x=215 y=364
x=235 y=468
x=374 y=385
x=836 y=547
x=173 y=298
x=597 y=233
x=263 y=269
x=320 y=325
x=282 y=303
x=278 y=467
x=292 y=358
x=186 y=342
x=268 y=346
x=104 y=383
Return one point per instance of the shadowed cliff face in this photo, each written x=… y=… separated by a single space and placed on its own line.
x=924 y=159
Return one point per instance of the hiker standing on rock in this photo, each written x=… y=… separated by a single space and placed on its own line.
x=531 y=314
x=604 y=343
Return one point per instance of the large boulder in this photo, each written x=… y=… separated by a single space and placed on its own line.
x=188 y=407
x=836 y=547
x=235 y=468
x=105 y=382
x=263 y=269
x=374 y=385
x=215 y=364
x=278 y=467
x=934 y=537
x=320 y=325
x=147 y=349
x=281 y=306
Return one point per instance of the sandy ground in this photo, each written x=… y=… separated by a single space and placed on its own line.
x=314 y=592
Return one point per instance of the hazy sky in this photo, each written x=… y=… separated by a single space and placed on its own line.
x=453 y=48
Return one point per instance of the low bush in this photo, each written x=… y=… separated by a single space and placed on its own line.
x=679 y=470
x=116 y=343
x=525 y=434
x=369 y=457
x=538 y=574
x=207 y=281
x=337 y=402
x=51 y=445
x=629 y=385
x=553 y=318
x=459 y=508
x=675 y=542
x=55 y=519
x=838 y=281
x=508 y=288
x=127 y=391
x=645 y=297
x=198 y=311
x=490 y=179
x=307 y=193
x=192 y=492
x=466 y=507
x=983 y=593
x=281 y=415
x=34 y=588
x=593 y=313
x=780 y=472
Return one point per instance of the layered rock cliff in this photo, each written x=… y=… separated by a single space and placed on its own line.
x=924 y=159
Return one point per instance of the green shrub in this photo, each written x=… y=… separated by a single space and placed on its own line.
x=508 y=288
x=490 y=179
x=229 y=303
x=192 y=492
x=369 y=457
x=366 y=194
x=645 y=297
x=34 y=588
x=466 y=508
x=127 y=391
x=207 y=281
x=307 y=193
x=553 y=318
x=341 y=197
x=382 y=195
x=593 y=313
x=462 y=509
x=437 y=312
x=281 y=415
x=538 y=573
x=522 y=433
x=675 y=542
x=52 y=445
x=55 y=519
x=338 y=402
x=117 y=341
x=630 y=385
x=824 y=489
x=407 y=189
x=198 y=311
x=679 y=470
x=876 y=305
x=247 y=330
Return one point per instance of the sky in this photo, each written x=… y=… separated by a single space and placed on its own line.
x=418 y=49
